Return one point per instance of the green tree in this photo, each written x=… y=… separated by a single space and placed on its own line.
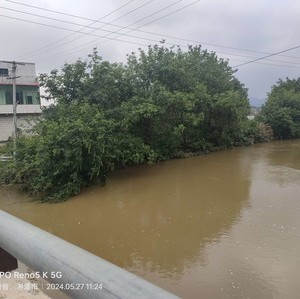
x=159 y=105
x=71 y=148
x=66 y=85
x=282 y=109
x=95 y=81
x=188 y=91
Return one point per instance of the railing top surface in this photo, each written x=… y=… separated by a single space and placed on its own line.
x=43 y=251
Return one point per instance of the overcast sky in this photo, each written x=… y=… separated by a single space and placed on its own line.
x=239 y=30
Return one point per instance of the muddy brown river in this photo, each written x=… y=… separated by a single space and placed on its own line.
x=224 y=225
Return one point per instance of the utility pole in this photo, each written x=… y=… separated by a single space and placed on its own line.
x=13 y=78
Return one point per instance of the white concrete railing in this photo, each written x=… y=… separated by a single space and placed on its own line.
x=78 y=272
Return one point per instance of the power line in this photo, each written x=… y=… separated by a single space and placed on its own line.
x=143 y=31
x=141 y=44
x=89 y=26
x=45 y=17
x=74 y=31
x=94 y=29
x=164 y=16
x=105 y=23
x=152 y=14
x=128 y=26
x=267 y=56
x=244 y=56
x=73 y=23
x=212 y=44
x=66 y=29
x=61 y=39
x=265 y=63
x=106 y=36
x=171 y=13
x=50 y=10
x=156 y=12
x=92 y=42
x=269 y=64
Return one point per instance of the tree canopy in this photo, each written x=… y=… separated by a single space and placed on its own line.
x=282 y=109
x=160 y=104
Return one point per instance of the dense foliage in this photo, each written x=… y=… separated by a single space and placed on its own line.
x=159 y=105
x=282 y=109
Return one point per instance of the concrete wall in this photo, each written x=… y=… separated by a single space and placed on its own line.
x=6 y=127
x=21 y=109
x=25 y=122
x=26 y=72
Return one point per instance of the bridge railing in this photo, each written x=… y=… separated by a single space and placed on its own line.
x=70 y=268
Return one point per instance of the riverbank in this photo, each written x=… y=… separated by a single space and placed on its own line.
x=179 y=155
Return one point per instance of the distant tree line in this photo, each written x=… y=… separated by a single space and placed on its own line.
x=162 y=104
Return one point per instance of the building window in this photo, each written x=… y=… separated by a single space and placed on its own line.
x=29 y=100
x=19 y=98
x=3 y=72
x=8 y=97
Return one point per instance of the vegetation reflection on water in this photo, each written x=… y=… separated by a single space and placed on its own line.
x=223 y=225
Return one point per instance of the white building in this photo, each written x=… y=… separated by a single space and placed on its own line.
x=27 y=95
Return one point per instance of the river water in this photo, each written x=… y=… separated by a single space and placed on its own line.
x=224 y=225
